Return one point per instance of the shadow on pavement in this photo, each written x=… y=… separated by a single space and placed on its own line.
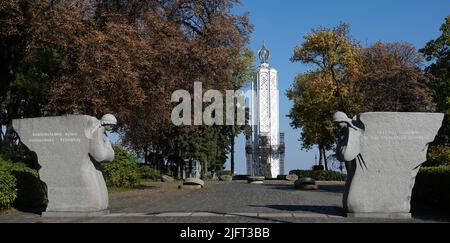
x=328 y=210
x=35 y=210
x=322 y=188
x=333 y=188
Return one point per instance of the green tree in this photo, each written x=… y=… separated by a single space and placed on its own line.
x=314 y=101
x=328 y=88
x=438 y=52
x=208 y=144
x=352 y=79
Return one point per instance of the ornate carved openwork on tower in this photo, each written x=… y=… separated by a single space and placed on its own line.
x=265 y=152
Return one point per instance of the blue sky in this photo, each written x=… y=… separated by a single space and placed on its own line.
x=282 y=24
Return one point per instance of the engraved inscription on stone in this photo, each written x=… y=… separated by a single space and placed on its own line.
x=396 y=135
x=52 y=137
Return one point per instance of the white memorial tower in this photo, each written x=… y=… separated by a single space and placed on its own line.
x=265 y=149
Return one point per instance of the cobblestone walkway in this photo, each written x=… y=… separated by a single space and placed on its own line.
x=235 y=202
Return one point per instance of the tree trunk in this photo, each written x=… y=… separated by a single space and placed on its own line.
x=325 y=160
x=146 y=156
x=155 y=161
x=232 y=154
x=182 y=169
x=9 y=137
x=205 y=170
x=320 y=155
x=190 y=168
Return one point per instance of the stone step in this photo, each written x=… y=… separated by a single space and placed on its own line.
x=209 y=214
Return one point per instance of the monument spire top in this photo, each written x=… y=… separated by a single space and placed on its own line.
x=264 y=53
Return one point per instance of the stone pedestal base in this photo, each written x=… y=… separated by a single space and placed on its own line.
x=379 y=215
x=256 y=182
x=75 y=214
x=256 y=179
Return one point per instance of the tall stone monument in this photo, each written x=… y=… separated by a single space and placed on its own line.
x=68 y=149
x=386 y=151
x=265 y=149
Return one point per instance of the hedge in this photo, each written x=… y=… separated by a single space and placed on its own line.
x=148 y=173
x=318 y=167
x=433 y=187
x=31 y=191
x=8 y=190
x=224 y=173
x=320 y=175
x=120 y=175
x=123 y=172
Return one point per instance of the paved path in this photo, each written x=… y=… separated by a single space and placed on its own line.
x=235 y=202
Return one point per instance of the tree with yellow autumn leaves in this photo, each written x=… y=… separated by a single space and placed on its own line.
x=350 y=78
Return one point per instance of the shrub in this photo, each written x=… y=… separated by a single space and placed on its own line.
x=148 y=173
x=8 y=190
x=318 y=167
x=439 y=156
x=123 y=172
x=31 y=191
x=240 y=177
x=433 y=187
x=320 y=175
x=224 y=173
